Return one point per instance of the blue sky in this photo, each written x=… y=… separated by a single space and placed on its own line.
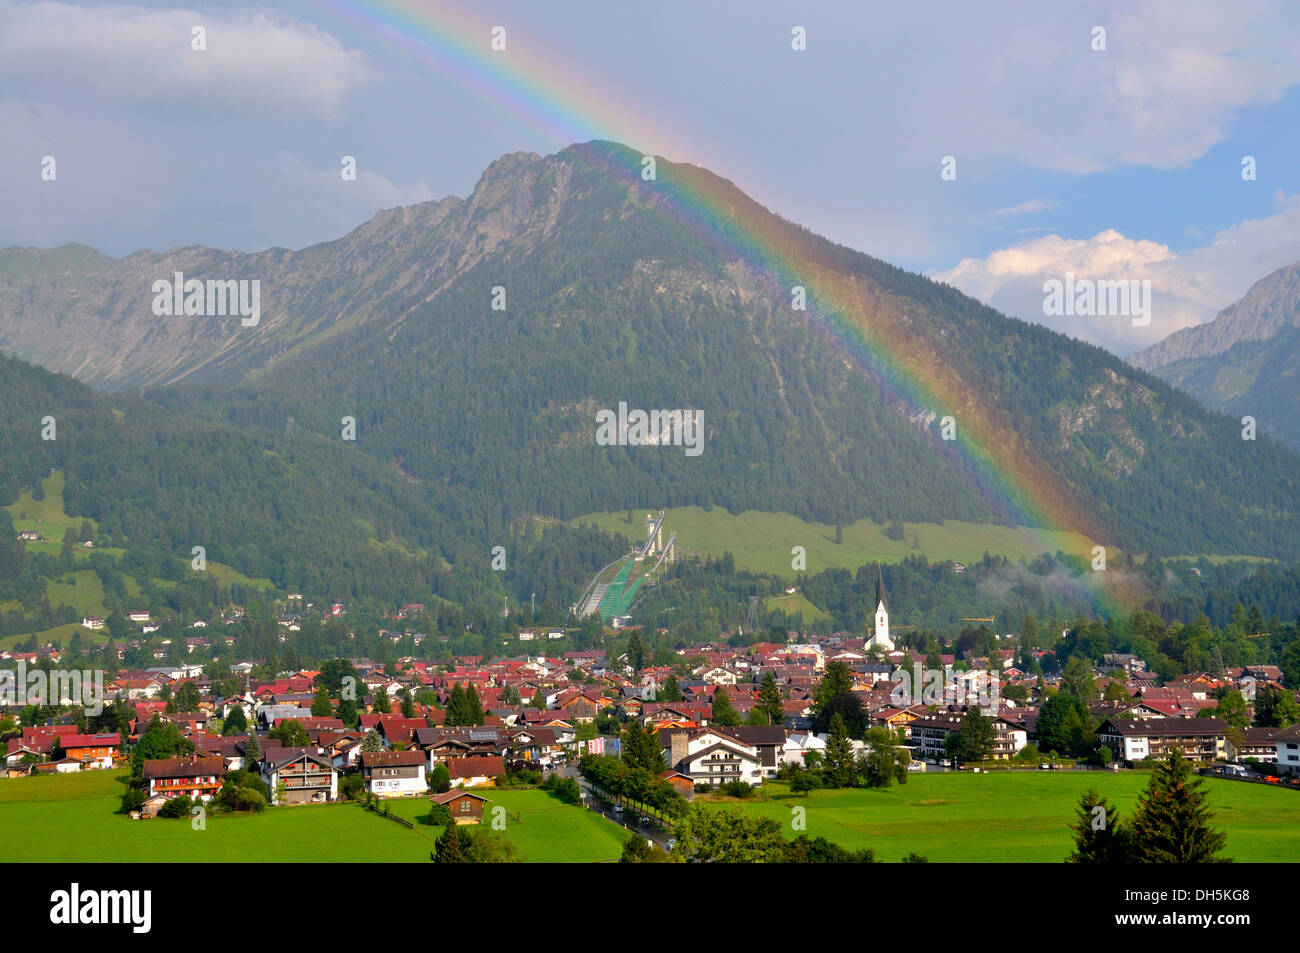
x=1124 y=162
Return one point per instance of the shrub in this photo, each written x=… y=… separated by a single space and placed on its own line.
x=439 y=815
x=176 y=807
x=352 y=787
x=739 y=789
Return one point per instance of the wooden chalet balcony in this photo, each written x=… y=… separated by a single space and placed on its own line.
x=306 y=781
x=186 y=784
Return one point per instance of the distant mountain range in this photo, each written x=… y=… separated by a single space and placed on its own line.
x=1246 y=362
x=486 y=416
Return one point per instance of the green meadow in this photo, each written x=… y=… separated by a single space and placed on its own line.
x=953 y=818
x=796 y=604
x=544 y=828
x=762 y=541
x=1016 y=816
x=71 y=818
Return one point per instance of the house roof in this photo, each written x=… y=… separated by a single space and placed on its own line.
x=391 y=759
x=184 y=767
x=89 y=741
x=450 y=796
x=1166 y=726
x=283 y=756
x=759 y=734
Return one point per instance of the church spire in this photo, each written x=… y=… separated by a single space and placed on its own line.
x=880 y=587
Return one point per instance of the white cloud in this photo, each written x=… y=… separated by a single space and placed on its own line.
x=1188 y=287
x=122 y=55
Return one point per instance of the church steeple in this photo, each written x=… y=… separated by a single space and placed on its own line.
x=880 y=632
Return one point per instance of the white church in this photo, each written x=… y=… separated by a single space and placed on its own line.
x=880 y=633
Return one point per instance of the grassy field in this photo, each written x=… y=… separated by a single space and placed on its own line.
x=59 y=635
x=71 y=818
x=954 y=818
x=798 y=603
x=544 y=828
x=1018 y=817
x=762 y=541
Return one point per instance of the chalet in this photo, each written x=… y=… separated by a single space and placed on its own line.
x=709 y=757
x=581 y=706
x=92 y=751
x=394 y=773
x=443 y=745
x=465 y=806
x=198 y=778
x=343 y=747
x=307 y=777
x=475 y=772
x=26 y=750
x=539 y=745
x=895 y=718
x=1199 y=739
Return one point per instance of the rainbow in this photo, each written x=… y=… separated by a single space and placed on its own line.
x=424 y=40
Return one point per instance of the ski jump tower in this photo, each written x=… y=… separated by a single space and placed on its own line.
x=654 y=537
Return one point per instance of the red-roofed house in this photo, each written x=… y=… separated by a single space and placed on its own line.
x=475 y=772
x=395 y=773
x=93 y=751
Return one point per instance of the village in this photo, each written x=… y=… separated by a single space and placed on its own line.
x=726 y=718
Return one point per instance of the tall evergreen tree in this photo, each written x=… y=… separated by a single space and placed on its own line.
x=769 y=700
x=839 y=766
x=456 y=706
x=1172 y=822
x=636 y=651
x=451 y=847
x=1099 y=838
x=723 y=712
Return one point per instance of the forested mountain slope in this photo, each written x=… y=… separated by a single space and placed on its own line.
x=619 y=289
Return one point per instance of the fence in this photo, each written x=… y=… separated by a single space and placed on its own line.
x=392 y=817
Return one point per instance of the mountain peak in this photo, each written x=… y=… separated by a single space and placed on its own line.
x=1271 y=304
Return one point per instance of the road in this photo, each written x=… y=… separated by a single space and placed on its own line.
x=629 y=819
